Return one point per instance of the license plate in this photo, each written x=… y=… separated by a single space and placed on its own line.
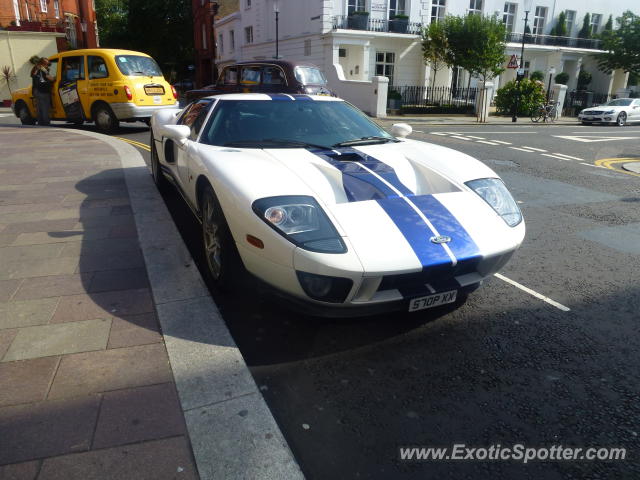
x=157 y=100
x=154 y=90
x=431 y=301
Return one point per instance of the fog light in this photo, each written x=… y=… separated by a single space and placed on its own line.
x=607 y=118
x=325 y=288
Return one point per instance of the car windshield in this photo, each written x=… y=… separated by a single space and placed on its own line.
x=136 y=65
x=310 y=76
x=290 y=124
x=620 y=102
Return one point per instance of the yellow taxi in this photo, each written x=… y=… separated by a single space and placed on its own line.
x=105 y=86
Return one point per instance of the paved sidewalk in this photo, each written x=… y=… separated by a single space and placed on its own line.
x=461 y=120
x=114 y=362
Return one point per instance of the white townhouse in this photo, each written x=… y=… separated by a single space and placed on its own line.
x=386 y=40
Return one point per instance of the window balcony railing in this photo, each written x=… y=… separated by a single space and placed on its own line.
x=552 y=40
x=361 y=22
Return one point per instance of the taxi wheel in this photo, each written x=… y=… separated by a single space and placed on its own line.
x=24 y=115
x=104 y=119
x=622 y=119
x=158 y=177
x=223 y=261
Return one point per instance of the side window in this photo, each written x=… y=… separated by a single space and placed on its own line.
x=250 y=76
x=636 y=103
x=273 y=76
x=97 y=67
x=53 y=68
x=72 y=69
x=230 y=76
x=194 y=117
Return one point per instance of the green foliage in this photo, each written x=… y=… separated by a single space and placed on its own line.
x=160 y=28
x=394 y=95
x=435 y=47
x=7 y=75
x=634 y=79
x=560 y=29
x=400 y=17
x=622 y=45
x=531 y=96
x=608 y=27
x=537 y=75
x=584 y=79
x=562 y=78
x=585 y=31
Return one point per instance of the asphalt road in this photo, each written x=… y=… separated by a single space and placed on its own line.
x=506 y=368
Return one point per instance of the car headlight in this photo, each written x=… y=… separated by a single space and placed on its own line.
x=609 y=112
x=494 y=192
x=302 y=221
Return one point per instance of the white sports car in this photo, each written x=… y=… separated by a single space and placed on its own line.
x=619 y=111
x=337 y=215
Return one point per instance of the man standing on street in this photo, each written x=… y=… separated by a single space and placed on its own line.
x=41 y=88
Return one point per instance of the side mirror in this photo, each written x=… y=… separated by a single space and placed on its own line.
x=178 y=133
x=401 y=130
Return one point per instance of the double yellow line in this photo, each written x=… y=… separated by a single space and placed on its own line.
x=135 y=144
x=610 y=162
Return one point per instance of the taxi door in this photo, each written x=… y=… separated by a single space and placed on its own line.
x=71 y=86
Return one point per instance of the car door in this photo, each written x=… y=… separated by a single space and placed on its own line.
x=71 y=85
x=635 y=111
x=193 y=118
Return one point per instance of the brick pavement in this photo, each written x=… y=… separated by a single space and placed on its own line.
x=86 y=388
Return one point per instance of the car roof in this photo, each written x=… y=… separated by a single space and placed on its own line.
x=281 y=63
x=95 y=51
x=275 y=96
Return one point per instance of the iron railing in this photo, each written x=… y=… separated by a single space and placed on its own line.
x=575 y=101
x=442 y=99
x=376 y=25
x=587 y=43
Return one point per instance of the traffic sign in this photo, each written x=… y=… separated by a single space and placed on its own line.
x=513 y=63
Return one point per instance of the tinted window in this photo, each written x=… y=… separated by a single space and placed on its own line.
x=97 y=67
x=250 y=75
x=320 y=122
x=621 y=102
x=273 y=76
x=310 y=76
x=194 y=116
x=136 y=65
x=72 y=69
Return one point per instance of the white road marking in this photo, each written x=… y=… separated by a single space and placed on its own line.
x=590 y=165
x=461 y=138
x=536 y=149
x=477 y=138
x=6 y=114
x=503 y=143
x=488 y=143
x=533 y=292
x=569 y=156
x=553 y=156
x=437 y=133
x=522 y=149
x=593 y=138
x=418 y=131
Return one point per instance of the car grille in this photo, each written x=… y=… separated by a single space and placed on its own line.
x=594 y=112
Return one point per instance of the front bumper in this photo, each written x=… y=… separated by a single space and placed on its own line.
x=126 y=111
x=612 y=118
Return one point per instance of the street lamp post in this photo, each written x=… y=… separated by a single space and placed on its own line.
x=276 y=9
x=552 y=72
x=520 y=72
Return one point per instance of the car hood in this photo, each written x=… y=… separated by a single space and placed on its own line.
x=604 y=108
x=385 y=199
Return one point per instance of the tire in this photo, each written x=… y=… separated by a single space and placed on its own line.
x=105 y=120
x=552 y=116
x=24 y=115
x=221 y=255
x=156 y=172
x=537 y=115
x=622 y=119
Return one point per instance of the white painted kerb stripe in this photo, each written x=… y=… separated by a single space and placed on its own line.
x=534 y=293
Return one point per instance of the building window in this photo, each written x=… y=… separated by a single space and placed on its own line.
x=248 y=3
x=437 y=10
x=355 y=6
x=397 y=7
x=204 y=37
x=570 y=17
x=16 y=11
x=56 y=8
x=596 y=19
x=70 y=28
x=248 y=35
x=232 y=40
x=384 y=65
x=307 y=48
x=527 y=67
x=43 y=6
x=539 y=20
x=475 y=7
x=509 y=16
x=220 y=43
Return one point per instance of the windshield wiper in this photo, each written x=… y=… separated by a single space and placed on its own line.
x=273 y=143
x=365 y=141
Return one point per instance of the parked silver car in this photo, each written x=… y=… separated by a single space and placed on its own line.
x=619 y=111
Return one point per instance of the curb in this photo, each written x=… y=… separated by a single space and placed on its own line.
x=232 y=431
x=632 y=167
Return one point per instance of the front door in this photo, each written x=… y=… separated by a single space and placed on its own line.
x=194 y=118
x=71 y=85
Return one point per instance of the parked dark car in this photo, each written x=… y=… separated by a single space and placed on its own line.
x=278 y=76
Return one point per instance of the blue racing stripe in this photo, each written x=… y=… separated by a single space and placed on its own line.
x=416 y=232
x=279 y=96
x=380 y=168
x=462 y=245
x=303 y=98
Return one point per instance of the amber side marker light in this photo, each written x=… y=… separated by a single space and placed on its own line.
x=255 y=241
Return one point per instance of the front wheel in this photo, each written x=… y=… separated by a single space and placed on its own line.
x=104 y=119
x=537 y=115
x=622 y=119
x=222 y=258
x=24 y=115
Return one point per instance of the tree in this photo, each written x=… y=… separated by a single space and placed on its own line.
x=560 y=30
x=8 y=76
x=435 y=47
x=622 y=45
x=530 y=93
x=585 y=31
x=608 y=27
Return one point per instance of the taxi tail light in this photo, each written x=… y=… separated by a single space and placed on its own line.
x=174 y=91
x=127 y=90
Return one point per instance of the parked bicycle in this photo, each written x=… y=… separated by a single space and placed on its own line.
x=545 y=112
